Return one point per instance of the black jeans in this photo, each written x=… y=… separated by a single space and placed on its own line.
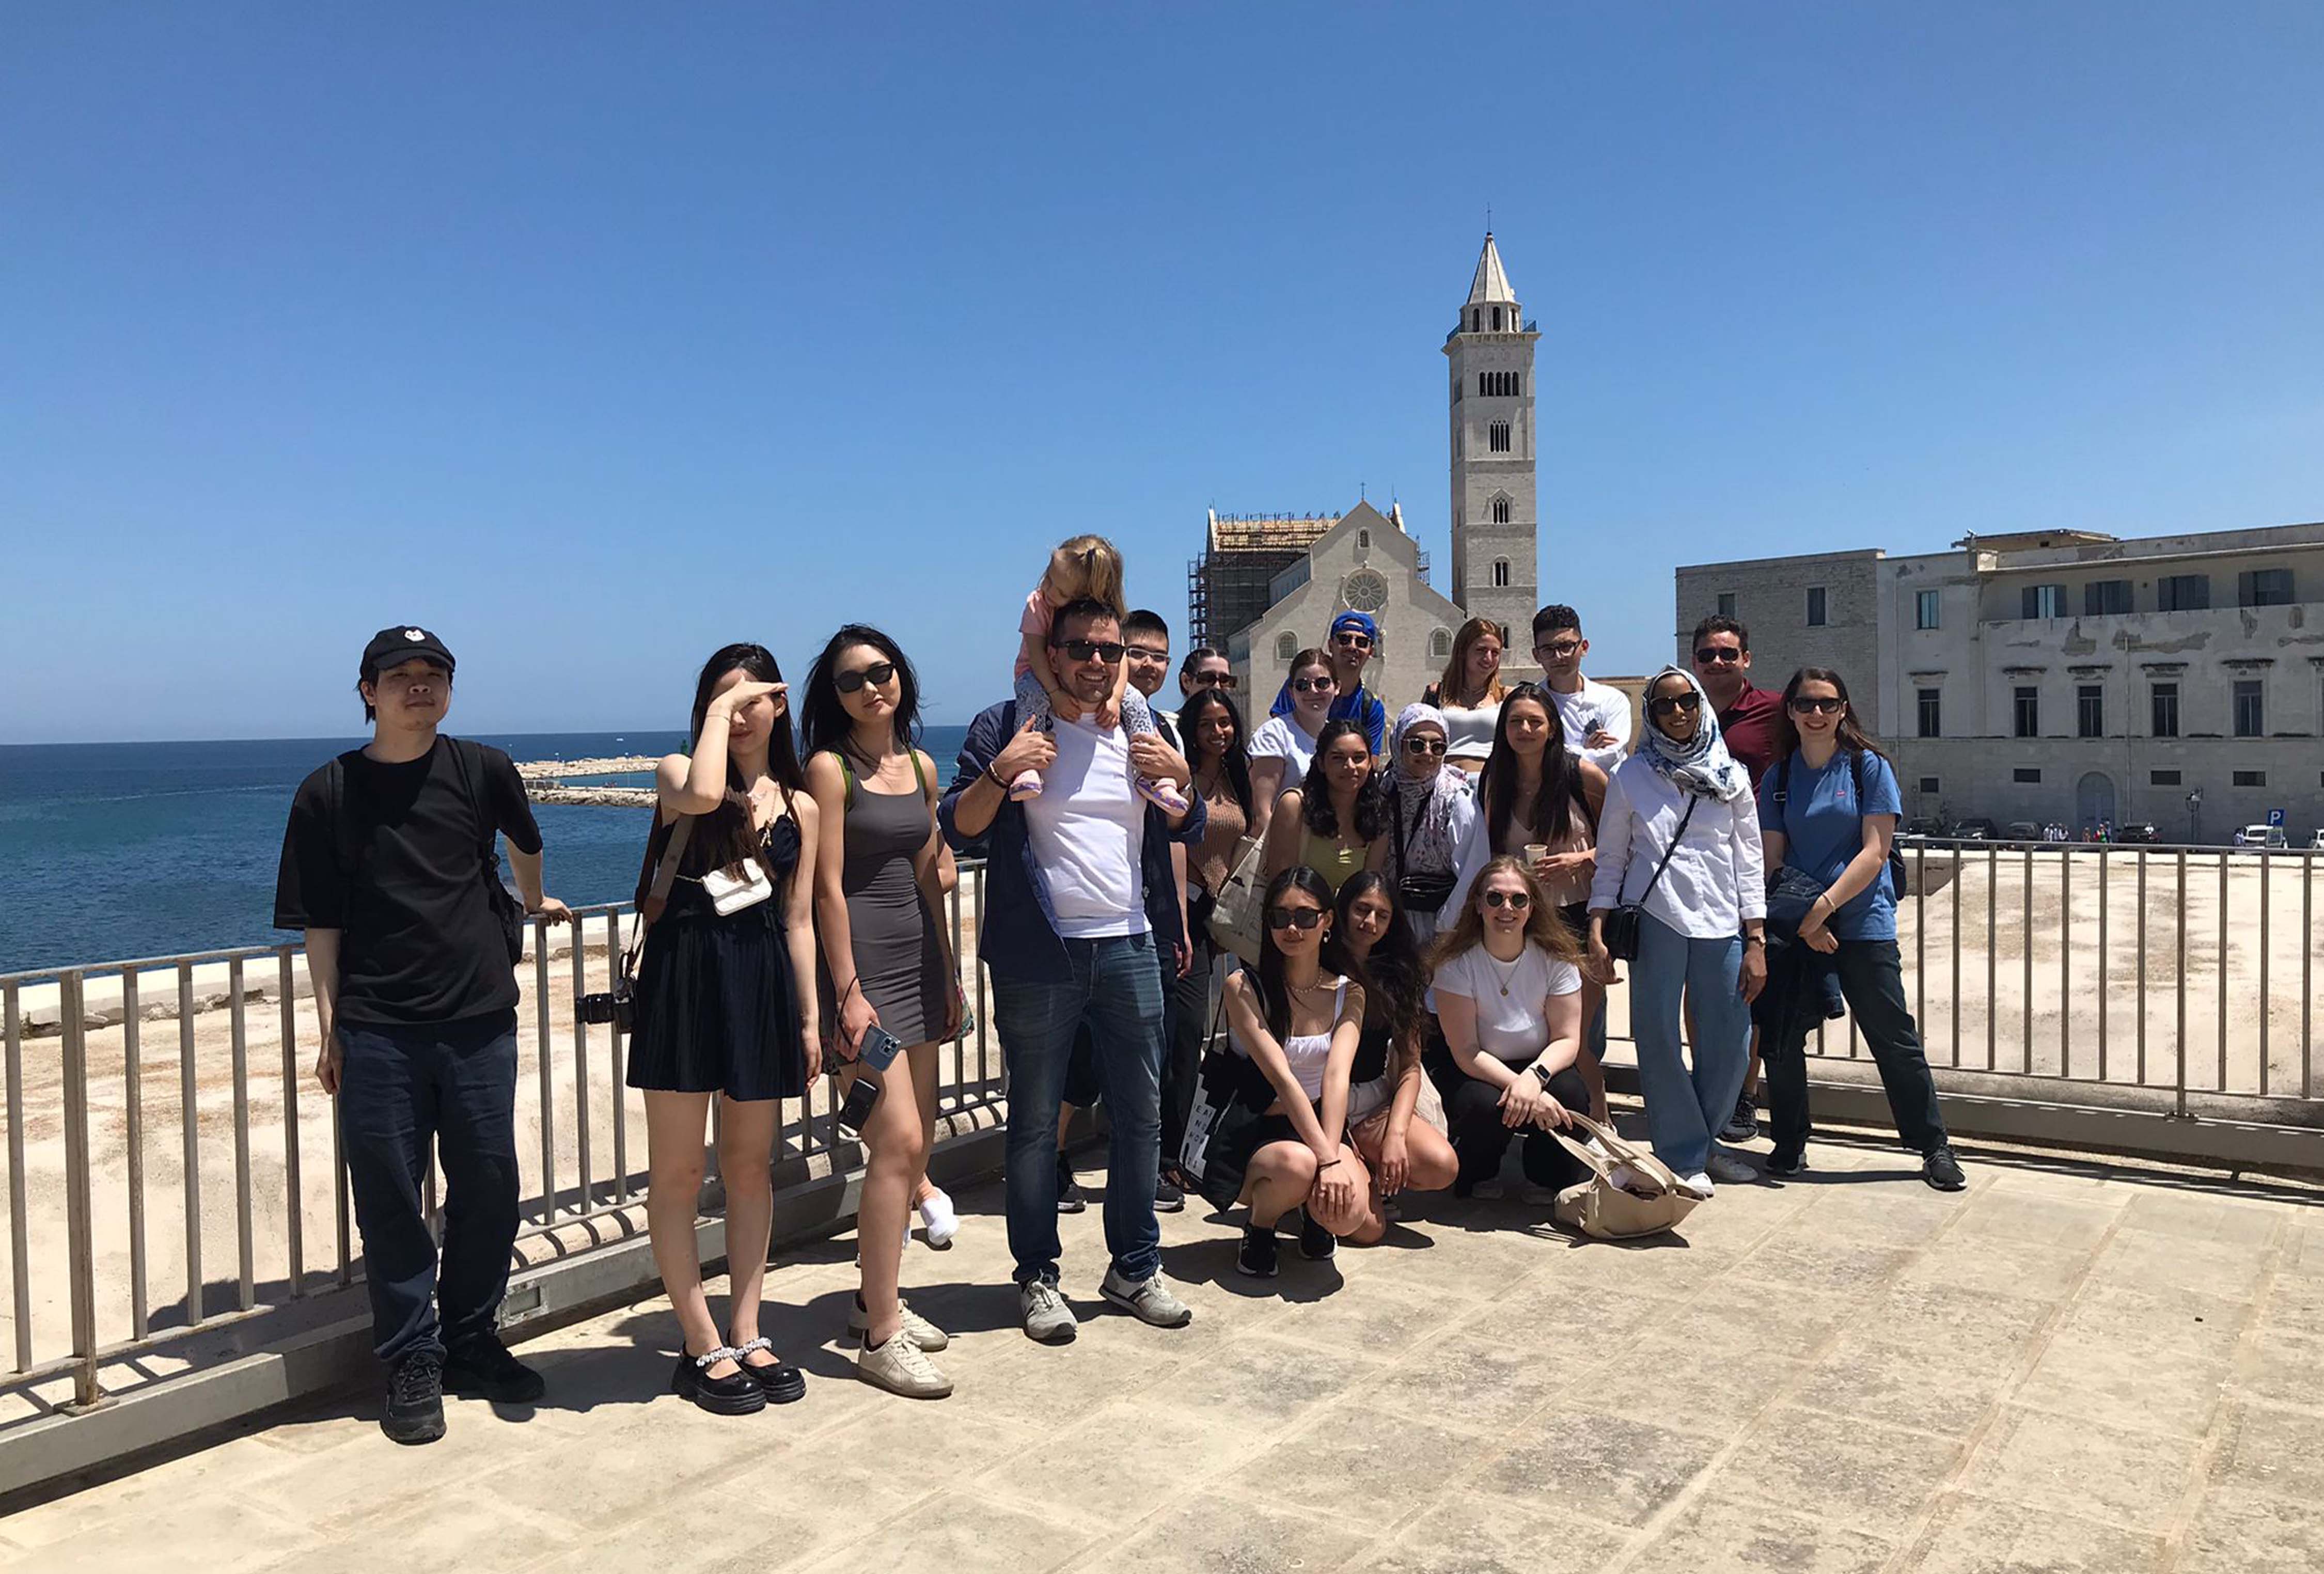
x=1472 y=1109
x=1186 y=1021
x=1872 y=980
x=402 y=1090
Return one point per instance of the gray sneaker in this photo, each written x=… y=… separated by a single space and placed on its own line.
x=1047 y=1319
x=1148 y=1299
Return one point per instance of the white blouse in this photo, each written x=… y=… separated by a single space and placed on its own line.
x=1717 y=877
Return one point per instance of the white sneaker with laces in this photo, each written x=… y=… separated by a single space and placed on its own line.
x=1047 y=1319
x=1728 y=1168
x=901 y=1367
x=918 y=1329
x=938 y=1220
x=1699 y=1183
x=1148 y=1299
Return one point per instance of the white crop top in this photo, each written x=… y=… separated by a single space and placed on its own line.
x=1469 y=733
x=1308 y=1053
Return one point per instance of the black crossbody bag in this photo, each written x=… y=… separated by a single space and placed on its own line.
x=1422 y=892
x=1621 y=927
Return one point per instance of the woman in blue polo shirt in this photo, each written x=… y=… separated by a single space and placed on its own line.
x=1828 y=811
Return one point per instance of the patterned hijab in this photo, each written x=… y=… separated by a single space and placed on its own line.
x=1424 y=808
x=1701 y=765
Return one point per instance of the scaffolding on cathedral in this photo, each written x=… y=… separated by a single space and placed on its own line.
x=1228 y=587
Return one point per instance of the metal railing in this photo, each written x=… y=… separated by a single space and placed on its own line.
x=158 y=1189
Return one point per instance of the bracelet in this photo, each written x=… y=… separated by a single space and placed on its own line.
x=990 y=777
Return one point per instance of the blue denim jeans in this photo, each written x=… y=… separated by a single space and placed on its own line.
x=1685 y=1107
x=1116 y=989
x=404 y=1091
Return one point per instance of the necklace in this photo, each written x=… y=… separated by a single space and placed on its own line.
x=1509 y=978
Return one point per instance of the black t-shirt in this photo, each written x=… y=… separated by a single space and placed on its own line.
x=401 y=877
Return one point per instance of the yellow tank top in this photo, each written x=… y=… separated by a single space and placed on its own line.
x=1327 y=857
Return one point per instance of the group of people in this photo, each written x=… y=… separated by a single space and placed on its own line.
x=1446 y=897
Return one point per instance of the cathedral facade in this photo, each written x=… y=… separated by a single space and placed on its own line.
x=1265 y=587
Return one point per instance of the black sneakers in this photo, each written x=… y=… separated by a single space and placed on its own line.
x=482 y=1368
x=1786 y=1162
x=1257 y=1257
x=415 y=1399
x=1316 y=1243
x=1744 y=1124
x=1168 y=1196
x=1941 y=1170
x=1069 y=1193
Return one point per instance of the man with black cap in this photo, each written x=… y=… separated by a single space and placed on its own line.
x=391 y=864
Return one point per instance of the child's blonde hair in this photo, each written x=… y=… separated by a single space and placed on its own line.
x=1086 y=568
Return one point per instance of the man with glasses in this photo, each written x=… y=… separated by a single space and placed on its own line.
x=1205 y=667
x=1080 y=906
x=1597 y=716
x=1354 y=642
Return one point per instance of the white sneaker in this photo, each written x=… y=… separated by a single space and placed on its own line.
x=918 y=1329
x=1699 y=1183
x=901 y=1367
x=1047 y=1319
x=938 y=1220
x=1730 y=1169
x=1148 y=1299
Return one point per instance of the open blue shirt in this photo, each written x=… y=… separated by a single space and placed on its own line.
x=1823 y=826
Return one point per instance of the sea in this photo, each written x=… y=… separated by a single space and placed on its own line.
x=115 y=852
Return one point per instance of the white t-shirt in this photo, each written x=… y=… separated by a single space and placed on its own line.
x=1282 y=738
x=1592 y=707
x=1511 y=1026
x=1088 y=833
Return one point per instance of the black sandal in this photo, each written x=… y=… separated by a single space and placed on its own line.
x=781 y=1384
x=735 y=1394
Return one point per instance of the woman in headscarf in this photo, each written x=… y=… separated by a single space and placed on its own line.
x=1680 y=839
x=1430 y=811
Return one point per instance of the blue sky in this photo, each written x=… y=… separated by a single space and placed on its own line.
x=594 y=335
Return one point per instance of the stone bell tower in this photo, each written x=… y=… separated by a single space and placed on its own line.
x=1496 y=569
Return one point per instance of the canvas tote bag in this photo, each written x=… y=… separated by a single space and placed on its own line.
x=1659 y=1200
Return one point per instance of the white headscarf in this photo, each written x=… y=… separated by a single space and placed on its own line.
x=1424 y=808
x=1701 y=765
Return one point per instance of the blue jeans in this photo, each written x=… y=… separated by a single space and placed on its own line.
x=1685 y=1107
x=1116 y=989
x=404 y=1090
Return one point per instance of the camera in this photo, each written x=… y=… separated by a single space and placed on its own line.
x=617 y=1005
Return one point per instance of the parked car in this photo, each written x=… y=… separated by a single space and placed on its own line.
x=2262 y=837
x=1923 y=825
x=2143 y=832
x=2316 y=842
x=1977 y=828
x=2021 y=831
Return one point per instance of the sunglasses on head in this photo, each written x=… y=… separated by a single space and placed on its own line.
x=1424 y=745
x=1106 y=650
x=1301 y=918
x=877 y=675
x=1669 y=703
x=1821 y=705
x=1313 y=684
x=1715 y=655
x=1516 y=901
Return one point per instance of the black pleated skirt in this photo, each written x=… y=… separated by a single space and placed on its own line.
x=717 y=1010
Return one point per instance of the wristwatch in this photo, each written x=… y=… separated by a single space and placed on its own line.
x=1540 y=1074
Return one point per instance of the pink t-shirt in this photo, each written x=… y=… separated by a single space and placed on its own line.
x=1039 y=615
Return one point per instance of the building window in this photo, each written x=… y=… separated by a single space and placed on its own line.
x=1816 y=606
x=2250 y=717
x=2251 y=778
x=2042 y=601
x=1931 y=713
x=1924 y=609
x=1440 y=644
x=2090 y=711
x=2161 y=778
x=2029 y=713
x=1930 y=784
x=2028 y=774
x=1500 y=510
x=1726 y=604
x=2166 y=711
x=1287 y=646
x=2264 y=587
x=2106 y=598
x=1501 y=571
x=1497 y=319
x=2183 y=593
x=1476 y=319
x=1496 y=436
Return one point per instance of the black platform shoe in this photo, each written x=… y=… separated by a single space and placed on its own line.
x=781 y=1384
x=735 y=1394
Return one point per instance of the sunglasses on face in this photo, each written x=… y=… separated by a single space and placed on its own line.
x=877 y=675
x=1516 y=901
x=1216 y=680
x=1559 y=651
x=1668 y=704
x=1353 y=641
x=1714 y=656
x=1300 y=918
x=1820 y=704
x=1106 y=650
x=1424 y=745
x=1313 y=684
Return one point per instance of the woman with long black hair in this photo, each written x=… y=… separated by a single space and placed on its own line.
x=726 y=1008
x=1403 y=1154
x=1210 y=728
x=1828 y=811
x=1280 y=1140
x=1330 y=821
x=879 y=895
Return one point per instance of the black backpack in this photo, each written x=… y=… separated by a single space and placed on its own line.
x=1898 y=886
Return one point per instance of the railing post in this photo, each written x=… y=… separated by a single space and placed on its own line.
x=79 y=1243
x=20 y=1249
x=245 y=1248
x=2180 y=976
x=2105 y=973
x=548 y=1082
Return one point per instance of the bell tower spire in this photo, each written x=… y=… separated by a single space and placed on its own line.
x=1496 y=568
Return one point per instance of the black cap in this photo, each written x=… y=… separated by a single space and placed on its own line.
x=393 y=646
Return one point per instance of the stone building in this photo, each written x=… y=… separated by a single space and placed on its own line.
x=2065 y=675
x=1266 y=586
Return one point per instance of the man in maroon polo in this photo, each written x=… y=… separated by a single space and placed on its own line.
x=1747 y=722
